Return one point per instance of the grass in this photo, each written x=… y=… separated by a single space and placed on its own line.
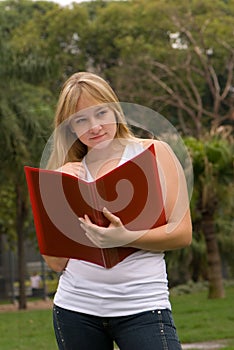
x=201 y=319
x=27 y=330
x=197 y=319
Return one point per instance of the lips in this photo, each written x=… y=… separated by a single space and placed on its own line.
x=97 y=137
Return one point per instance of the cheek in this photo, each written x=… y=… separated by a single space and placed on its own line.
x=81 y=134
x=111 y=128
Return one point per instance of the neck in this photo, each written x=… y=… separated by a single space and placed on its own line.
x=105 y=152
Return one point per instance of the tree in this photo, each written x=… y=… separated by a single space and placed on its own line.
x=183 y=67
x=58 y=33
x=23 y=135
x=213 y=169
x=24 y=114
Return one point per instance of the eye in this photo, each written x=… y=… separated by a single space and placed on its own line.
x=79 y=120
x=102 y=112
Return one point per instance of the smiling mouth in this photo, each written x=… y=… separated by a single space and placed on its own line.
x=97 y=137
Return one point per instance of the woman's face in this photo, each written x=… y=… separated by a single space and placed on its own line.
x=94 y=123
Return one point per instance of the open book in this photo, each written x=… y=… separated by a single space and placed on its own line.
x=131 y=191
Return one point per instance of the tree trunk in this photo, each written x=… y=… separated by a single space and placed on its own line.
x=216 y=288
x=20 y=219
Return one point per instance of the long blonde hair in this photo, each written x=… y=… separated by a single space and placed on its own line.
x=66 y=146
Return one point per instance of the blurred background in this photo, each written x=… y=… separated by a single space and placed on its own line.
x=174 y=57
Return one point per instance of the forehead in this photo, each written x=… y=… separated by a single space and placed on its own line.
x=86 y=101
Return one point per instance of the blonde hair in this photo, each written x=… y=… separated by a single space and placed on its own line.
x=66 y=146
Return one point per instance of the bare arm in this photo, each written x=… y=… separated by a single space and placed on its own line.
x=56 y=264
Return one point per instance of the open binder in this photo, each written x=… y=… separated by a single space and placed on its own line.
x=131 y=191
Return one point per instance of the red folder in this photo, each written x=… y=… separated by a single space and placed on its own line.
x=131 y=191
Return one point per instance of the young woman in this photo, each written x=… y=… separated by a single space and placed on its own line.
x=129 y=303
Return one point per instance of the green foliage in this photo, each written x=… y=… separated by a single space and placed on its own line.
x=216 y=150
x=190 y=79
x=58 y=36
x=197 y=152
x=213 y=191
x=23 y=63
x=220 y=153
x=7 y=213
x=26 y=117
x=25 y=120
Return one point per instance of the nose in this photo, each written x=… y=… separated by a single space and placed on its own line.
x=94 y=126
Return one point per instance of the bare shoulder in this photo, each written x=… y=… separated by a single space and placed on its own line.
x=162 y=148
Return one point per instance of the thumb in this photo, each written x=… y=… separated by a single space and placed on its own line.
x=115 y=220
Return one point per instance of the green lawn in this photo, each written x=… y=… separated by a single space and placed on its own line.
x=200 y=319
x=27 y=330
x=197 y=319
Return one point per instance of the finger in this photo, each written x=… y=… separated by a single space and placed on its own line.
x=83 y=224
x=115 y=220
x=87 y=219
x=89 y=227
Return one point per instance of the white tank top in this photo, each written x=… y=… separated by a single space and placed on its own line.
x=138 y=283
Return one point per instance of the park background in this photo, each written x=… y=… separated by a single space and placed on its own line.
x=174 y=57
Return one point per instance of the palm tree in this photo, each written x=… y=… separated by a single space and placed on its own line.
x=213 y=162
x=25 y=112
x=23 y=125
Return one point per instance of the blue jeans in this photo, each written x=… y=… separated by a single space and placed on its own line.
x=151 y=330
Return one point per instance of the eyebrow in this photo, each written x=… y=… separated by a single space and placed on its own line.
x=96 y=109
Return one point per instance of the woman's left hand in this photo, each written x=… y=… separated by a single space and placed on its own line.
x=115 y=235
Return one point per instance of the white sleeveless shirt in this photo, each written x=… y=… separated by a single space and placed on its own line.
x=138 y=283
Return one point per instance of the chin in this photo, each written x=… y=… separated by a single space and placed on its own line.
x=102 y=144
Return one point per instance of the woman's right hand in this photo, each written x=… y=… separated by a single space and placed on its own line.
x=73 y=168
